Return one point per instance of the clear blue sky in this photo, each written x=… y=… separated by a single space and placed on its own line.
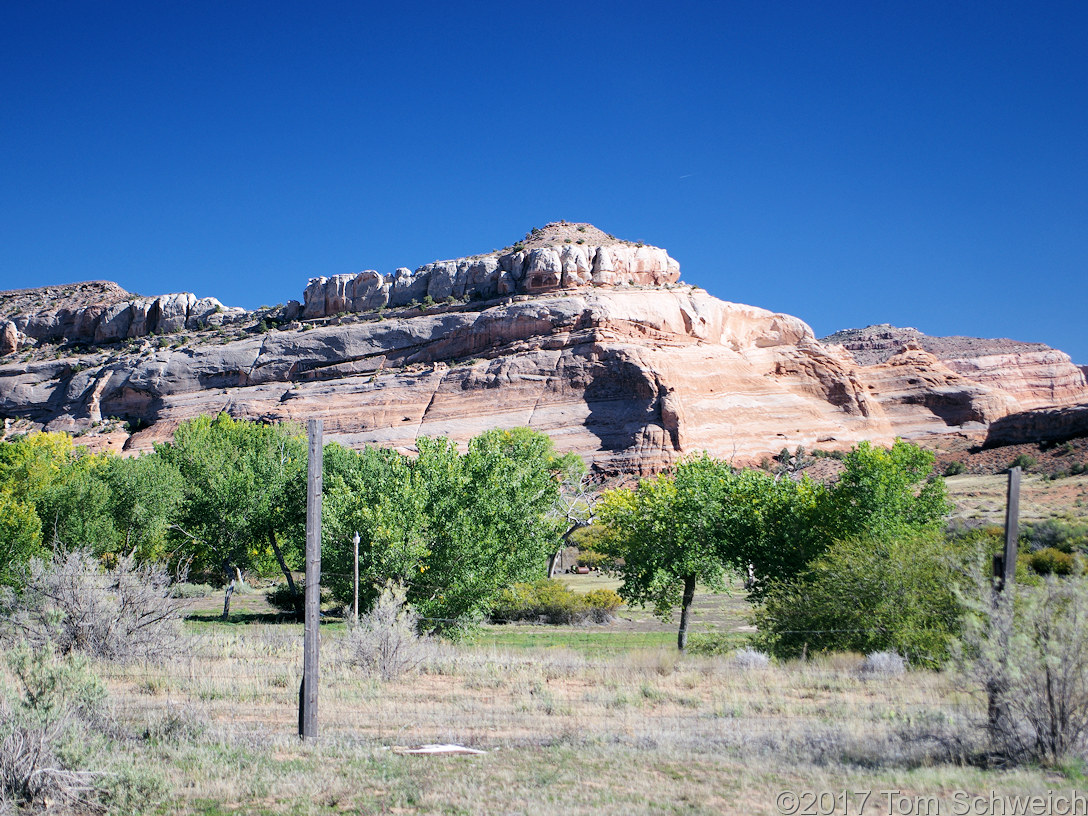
x=923 y=164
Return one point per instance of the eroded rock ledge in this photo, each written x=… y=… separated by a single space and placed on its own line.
x=557 y=256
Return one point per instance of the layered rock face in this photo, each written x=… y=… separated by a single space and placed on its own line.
x=595 y=344
x=1033 y=374
x=546 y=260
x=629 y=379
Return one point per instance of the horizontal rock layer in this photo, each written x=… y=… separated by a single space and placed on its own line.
x=630 y=379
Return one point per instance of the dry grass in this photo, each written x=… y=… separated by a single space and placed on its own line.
x=981 y=499
x=645 y=731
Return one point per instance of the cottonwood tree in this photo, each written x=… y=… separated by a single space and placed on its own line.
x=667 y=531
x=454 y=529
x=245 y=495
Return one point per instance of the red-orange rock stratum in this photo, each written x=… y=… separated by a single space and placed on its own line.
x=629 y=369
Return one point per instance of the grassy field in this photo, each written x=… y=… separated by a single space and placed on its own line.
x=574 y=720
x=981 y=499
x=566 y=729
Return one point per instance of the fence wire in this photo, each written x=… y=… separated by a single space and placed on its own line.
x=586 y=687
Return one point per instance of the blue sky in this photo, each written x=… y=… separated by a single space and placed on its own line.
x=922 y=164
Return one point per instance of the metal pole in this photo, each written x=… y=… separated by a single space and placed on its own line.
x=355 y=541
x=311 y=639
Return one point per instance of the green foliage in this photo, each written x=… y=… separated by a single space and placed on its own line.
x=886 y=492
x=244 y=493
x=592 y=559
x=1051 y=561
x=665 y=532
x=869 y=594
x=554 y=602
x=454 y=529
x=1067 y=535
x=20 y=536
x=955 y=468
x=1025 y=461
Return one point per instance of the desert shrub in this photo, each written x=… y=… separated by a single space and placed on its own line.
x=386 y=642
x=1063 y=534
x=1025 y=461
x=552 y=601
x=281 y=597
x=882 y=664
x=955 y=469
x=712 y=643
x=72 y=604
x=602 y=604
x=1026 y=652
x=750 y=659
x=44 y=724
x=1078 y=468
x=187 y=590
x=1051 y=561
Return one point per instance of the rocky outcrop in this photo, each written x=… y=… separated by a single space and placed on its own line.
x=1040 y=425
x=1033 y=375
x=547 y=260
x=631 y=379
x=102 y=312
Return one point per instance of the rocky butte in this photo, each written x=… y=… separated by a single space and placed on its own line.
x=590 y=339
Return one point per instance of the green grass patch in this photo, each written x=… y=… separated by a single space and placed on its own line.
x=593 y=642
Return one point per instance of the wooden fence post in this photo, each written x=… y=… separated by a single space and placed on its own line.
x=307 y=715
x=1004 y=577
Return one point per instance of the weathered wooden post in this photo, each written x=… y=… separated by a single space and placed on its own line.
x=355 y=541
x=1004 y=577
x=307 y=715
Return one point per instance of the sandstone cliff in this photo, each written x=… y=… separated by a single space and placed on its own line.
x=631 y=375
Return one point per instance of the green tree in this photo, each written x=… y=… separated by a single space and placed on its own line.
x=454 y=529
x=244 y=504
x=668 y=532
x=887 y=491
x=20 y=536
x=65 y=486
x=897 y=592
x=145 y=497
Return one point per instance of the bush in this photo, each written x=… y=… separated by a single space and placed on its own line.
x=869 y=595
x=552 y=601
x=42 y=730
x=1062 y=534
x=281 y=597
x=1051 y=561
x=602 y=604
x=883 y=664
x=751 y=659
x=1025 y=461
x=129 y=613
x=592 y=559
x=955 y=469
x=1026 y=651
x=386 y=642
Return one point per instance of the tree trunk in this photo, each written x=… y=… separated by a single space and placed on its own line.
x=296 y=599
x=235 y=577
x=552 y=560
x=685 y=611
